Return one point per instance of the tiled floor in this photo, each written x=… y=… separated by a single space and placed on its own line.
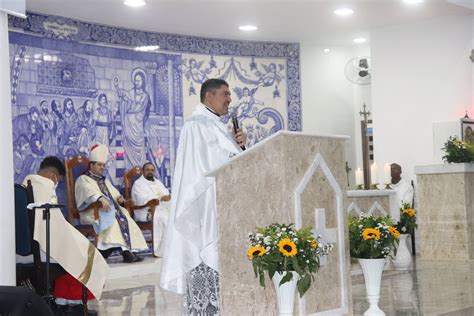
x=432 y=288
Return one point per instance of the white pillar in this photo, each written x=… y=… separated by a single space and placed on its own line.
x=7 y=212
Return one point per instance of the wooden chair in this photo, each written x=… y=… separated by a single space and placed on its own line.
x=129 y=178
x=75 y=167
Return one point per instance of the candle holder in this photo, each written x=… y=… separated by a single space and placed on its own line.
x=387 y=186
x=360 y=187
x=374 y=186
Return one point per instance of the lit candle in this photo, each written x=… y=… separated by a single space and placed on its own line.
x=373 y=173
x=387 y=175
x=359 y=177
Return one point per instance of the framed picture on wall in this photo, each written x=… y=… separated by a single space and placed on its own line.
x=467 y=130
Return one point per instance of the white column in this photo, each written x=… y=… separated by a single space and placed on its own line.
x=7 y=212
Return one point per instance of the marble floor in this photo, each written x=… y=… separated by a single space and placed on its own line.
x=430 y=288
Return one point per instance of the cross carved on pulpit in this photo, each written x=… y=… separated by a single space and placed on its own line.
x=328 y=235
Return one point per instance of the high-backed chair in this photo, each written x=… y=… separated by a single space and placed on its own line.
x=129 y=178
x=75 y=167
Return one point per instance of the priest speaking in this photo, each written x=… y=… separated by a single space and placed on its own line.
x=190 y=259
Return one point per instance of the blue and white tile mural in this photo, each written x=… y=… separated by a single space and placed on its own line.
x=76 y=83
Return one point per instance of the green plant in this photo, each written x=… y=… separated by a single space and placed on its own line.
x=407 y=223
x=372 y=237
x=457 y=151
x=280 y=248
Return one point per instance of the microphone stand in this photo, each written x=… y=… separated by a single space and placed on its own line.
x=47 y=216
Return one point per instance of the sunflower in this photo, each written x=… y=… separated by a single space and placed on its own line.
x=371 y=233
x=409 y=211
x=255 y=251
x=287 y=247
x=314 y=244
x=395 y=233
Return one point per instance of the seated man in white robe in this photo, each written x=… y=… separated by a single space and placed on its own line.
x=115 y=228
x=190 y=258
x=403 y=188
x=68 y=247
x=145 y=189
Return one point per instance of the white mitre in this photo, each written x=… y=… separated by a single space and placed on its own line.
x=99 y=153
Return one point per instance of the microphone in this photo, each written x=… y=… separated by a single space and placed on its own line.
x=235 y=122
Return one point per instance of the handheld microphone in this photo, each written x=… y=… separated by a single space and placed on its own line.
x=235 y=122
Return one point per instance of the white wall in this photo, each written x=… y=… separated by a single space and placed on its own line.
x=329 y=101
x=421 y=76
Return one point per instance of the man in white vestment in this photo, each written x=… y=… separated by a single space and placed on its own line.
x=68 y=247
x=403 y=188
x=190 y=258
x=115 y=228
x=145 y=189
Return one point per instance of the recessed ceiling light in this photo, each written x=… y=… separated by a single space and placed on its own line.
x=360 y=40
x=248 y=28
x=327 y=50
x=134 y=3
x=343 y=11
x=150 y=48
x=413 y=1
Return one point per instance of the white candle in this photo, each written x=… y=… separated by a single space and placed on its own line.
x=387 y=174
x=359 y=177
x=373 y=173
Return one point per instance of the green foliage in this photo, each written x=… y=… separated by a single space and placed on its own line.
x=371 y=237
x=457 y=151
x=280 y=248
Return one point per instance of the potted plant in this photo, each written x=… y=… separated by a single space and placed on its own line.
x=290 y=256
x=458 y=151
x=406 y=225
x=371 y=240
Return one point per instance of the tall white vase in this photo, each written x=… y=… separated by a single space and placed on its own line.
x=285 y=293
x=372 y=269
x=402 y=260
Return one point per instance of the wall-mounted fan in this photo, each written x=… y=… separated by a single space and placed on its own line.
x=358 y=70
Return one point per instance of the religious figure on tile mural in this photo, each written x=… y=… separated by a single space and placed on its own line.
x=245 y=105
x=47 y=125
x=134 y=107
x=85 y=131
x=71 y=125
x=103 y=121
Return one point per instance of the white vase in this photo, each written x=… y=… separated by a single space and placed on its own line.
x=372 y=269
x=285 y=293
x=402 y=260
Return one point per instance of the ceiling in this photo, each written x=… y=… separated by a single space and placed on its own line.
x=278 y=20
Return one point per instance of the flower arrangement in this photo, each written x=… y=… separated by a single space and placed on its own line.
x=407 y=222
x=280 y=248
x=458 y=151
x=372 y=237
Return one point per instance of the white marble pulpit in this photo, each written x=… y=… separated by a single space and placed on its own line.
x=288 y=178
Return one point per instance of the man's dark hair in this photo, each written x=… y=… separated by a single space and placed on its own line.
x=211 y=85
x=53 y=162
x=146 y=164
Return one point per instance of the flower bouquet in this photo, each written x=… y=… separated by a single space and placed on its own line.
x=458 y=151
x=371 y=241
x=282 y=248
x=407 y=223
x=372 y=237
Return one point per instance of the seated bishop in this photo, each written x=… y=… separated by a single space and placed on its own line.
x=145 y=189
x=115 y=228
x=68 y=247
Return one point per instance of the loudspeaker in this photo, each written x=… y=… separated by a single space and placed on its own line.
x=22 y=301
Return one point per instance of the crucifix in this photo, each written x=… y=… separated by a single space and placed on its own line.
x=365 y=146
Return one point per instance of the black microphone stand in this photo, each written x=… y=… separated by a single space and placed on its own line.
x=47 y=216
